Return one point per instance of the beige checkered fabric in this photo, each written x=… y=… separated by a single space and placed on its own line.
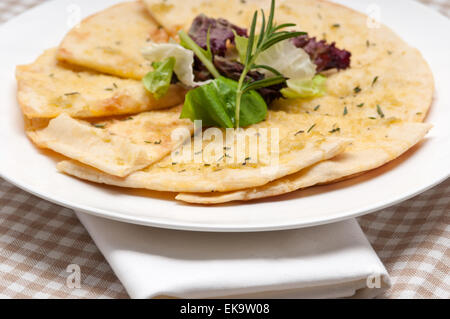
x=413 y=241
x=39 y=240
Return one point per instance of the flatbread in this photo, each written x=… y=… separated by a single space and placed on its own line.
x=175 y=15
x=111 y=41
x=117 y=147
x=385 y=71
x=373 y=147
x=47 y=89
x=388 y=81
x=224 y=171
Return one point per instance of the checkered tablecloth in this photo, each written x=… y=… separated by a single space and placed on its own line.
x=39 y=240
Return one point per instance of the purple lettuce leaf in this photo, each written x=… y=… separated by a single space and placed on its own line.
x=221 y=31
x=325 y=56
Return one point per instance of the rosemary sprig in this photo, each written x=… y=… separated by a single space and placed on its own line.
x=270 y=35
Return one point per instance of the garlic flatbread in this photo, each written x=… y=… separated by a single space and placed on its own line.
x=111 y=41
x=175 y=15
x=373 y=146
x=219 y=168
x=48 y=88
x=117 y=147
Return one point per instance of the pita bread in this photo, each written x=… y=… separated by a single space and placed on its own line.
x=372 y=147
x=224 y=171
x=385 y=71
x=47 y=88
x=111 y=41
x=118 y=147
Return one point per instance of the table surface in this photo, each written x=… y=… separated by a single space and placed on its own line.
x=39 y=240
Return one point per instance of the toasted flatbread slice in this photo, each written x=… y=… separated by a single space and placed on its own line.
x=117 y=147
x=387 y=78
x=175 y=15
x=48 y=88
x=111 y=41
x=219 y=166
x=174 y=178
x=373 y=147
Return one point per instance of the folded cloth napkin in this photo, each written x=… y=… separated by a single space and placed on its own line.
x=328 y=261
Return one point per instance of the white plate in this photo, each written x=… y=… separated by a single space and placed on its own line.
x=25 y=37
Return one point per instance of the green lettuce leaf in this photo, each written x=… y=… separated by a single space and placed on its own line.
x=305 y=88
x=184 y=60
x=215 y=104
x=241 y=46
x=158 y=81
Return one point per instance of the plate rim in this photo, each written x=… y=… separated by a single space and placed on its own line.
x=225 y=229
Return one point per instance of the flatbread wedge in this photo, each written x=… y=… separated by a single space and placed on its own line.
x=48 y=88
x=224 y=171
x=175 y=15
x=162 y=177
x=117 y=147
x=371 y=150
x=111 y=41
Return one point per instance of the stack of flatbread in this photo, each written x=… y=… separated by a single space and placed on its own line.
x=85 y=100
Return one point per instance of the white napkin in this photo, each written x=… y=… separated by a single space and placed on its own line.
x=328 y=261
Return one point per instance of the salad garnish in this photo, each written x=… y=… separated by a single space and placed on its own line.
x=158 y=82
x=234 y=74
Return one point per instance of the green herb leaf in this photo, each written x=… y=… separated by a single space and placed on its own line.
x=380 y=111
x=158 y=81
x=337 y=129
x=268 y=68
x=241 y=46
x=263 y=83
x=311 y=128
x=283 y=26
x=215 y=105
x=375 y=79
x=305 y=89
